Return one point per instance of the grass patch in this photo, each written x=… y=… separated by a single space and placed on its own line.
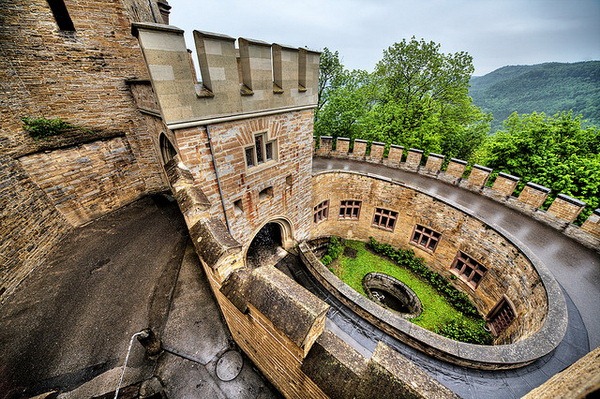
x=438 y=315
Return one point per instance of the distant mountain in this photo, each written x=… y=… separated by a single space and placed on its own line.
x=549 y=88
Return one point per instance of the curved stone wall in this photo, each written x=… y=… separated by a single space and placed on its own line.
x=561 y=214
x=510 y=273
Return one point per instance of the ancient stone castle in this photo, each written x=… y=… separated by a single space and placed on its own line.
x=235 y=148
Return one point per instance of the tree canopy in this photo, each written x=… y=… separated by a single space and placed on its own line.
x=554 y=151
x=417 y=97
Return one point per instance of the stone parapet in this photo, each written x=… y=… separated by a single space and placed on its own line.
x=394 y=157
x=433 y=165
x=342 y=147
x=269 y=78
x=589 y=233
x=533 y=195
x=560 y=215
x=477 y=178
x=566 y=208
x=592 y=224
x=387 y=372
x=454 y=172
x=87 y=181
x=376 y=154
x=413 y=160
x=292 y=309
x=359 y=150
x=505 y=184
x=579 y=380
x=325 y=145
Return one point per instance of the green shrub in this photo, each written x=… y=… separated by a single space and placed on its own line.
x=460 y=330
x=41 y=127
x=334 y=249
x=407 y=258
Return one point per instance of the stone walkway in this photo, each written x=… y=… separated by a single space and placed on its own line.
x=65 y=332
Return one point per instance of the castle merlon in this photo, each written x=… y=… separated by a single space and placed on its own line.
x=257 y=76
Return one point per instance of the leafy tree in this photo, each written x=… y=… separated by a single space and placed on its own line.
x=347 y=104
x=417 y=97
x=330 y=71
x=554 y=151
x=423 y=99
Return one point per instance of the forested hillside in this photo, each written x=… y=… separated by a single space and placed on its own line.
x=548 y=88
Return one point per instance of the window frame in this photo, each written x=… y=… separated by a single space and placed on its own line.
x=384 y=219
x=321 y=212
x=430 y=236
x=477 y=269
x=261 y=152
x=352 y=206
x=503 y=309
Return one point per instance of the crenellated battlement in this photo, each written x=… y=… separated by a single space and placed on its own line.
x=253 y=78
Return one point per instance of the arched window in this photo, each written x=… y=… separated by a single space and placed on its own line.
x=166 y=149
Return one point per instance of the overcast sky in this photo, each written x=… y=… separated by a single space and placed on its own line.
x=494 y=32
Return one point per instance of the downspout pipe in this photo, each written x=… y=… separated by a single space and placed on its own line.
x=214 y=162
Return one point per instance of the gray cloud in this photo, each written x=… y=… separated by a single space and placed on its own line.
x=494 y=32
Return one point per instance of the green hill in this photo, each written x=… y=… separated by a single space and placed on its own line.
x=548 y=88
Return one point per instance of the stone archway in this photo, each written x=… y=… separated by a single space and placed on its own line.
x=270 y=243
x=167 y=151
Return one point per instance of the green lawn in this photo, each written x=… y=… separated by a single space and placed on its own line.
x=436 y=310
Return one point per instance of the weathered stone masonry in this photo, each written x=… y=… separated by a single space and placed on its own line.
x=225 y=200
x=509 y=271
x=87 y=78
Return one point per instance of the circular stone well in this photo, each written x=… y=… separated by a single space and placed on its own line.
x=392 y=294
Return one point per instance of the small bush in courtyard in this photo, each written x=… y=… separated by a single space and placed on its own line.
x=459 y=330
x=334 y=250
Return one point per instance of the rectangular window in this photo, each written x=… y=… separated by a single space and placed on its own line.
x=501 y=316
x=349 y=209
x=238 y=207
x=468 y=269
x=425 y=237
x=385 y=219
x=262 y=151
x=321 y=212
x=250 y=156
x=61 y=15
x=258 y=145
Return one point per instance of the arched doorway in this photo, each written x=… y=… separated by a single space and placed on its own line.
x=269 y=244
x=167 y=151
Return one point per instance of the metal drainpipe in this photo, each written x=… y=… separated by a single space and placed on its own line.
x=212 y=156
x=126 y=360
